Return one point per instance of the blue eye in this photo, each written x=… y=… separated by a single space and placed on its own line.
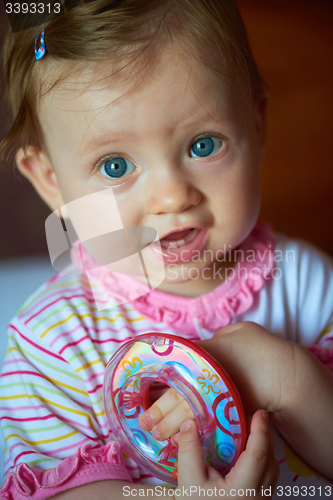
x=206 y=146
x=116 y=167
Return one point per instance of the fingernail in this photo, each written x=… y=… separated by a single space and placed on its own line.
x=185 y=426
x=264 y=415
x=147 y=419
x=157 y=434
x=175 y=439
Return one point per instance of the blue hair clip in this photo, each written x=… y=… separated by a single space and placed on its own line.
x=39 y=53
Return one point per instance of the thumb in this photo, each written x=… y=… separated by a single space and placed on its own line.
x=191 y=462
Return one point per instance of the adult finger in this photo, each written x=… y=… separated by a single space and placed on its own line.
x=191 y=462
x=270 y=477
x=272 y=471
x=252 y=463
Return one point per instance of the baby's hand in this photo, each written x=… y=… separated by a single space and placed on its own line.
x=166 y=415
x=256 y=468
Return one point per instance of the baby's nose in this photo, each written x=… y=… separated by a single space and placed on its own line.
x=173 y=193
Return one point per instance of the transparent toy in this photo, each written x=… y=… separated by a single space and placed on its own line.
x=178 y=363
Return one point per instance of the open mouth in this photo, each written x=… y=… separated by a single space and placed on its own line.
x=181 y=246
x=179 y=238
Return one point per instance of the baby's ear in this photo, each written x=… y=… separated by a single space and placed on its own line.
x=37 y=168
x=260 y=117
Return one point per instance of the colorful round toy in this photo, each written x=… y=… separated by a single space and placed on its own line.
x=179 y=363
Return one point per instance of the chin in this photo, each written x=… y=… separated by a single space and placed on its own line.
x=180 y=273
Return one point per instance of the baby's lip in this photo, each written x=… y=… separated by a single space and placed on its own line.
x=192 y=242
x=178 y=231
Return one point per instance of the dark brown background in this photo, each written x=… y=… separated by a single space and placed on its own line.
x=292 y=43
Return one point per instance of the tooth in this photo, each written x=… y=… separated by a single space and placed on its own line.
x=176 y=243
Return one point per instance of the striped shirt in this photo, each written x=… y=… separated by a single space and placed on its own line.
x=59 y=343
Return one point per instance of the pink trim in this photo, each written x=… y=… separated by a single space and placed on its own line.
x=324 y=355
x=212 y=310
x=89 y=464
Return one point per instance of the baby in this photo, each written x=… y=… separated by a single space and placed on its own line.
x=158 y=105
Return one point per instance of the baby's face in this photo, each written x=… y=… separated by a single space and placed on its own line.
x=180 y=150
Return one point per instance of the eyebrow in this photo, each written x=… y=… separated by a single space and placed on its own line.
x=113 y=137
x=108 y=140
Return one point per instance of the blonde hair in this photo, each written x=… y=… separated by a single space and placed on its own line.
x=100 y=30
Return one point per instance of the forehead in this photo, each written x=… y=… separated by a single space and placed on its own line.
x=165 y=94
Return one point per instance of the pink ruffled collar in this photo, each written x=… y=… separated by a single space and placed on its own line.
x=210 y=311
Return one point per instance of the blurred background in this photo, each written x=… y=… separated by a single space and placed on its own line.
x=292 y=42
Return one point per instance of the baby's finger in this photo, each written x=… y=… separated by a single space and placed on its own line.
x=160 y=408
x=171 y=423
x=191 y=462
